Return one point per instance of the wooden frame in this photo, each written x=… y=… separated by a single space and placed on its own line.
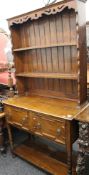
x=49 y=48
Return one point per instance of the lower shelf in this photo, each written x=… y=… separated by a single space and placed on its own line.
x=42 y=159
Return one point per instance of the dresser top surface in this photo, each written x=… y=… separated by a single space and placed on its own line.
x=54 y=107
x=84 y=115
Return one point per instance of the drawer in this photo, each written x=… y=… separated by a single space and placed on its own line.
x=40 y=124
x=16 y=116
x=34 y=123
x=53 y=129
x=47 y=126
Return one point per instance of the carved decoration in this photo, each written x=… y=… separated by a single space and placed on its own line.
x=83 y=145
x=43 y=11
x=80 y=163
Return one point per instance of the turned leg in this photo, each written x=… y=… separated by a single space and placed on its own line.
x=1 y=136
x=69 y=148
x=83 y=142
x=10 y=137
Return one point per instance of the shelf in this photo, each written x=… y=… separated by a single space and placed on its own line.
x=49 y=75
x=45 y=46
x=44 y=157
x=41 y=157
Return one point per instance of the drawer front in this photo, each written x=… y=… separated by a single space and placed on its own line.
x=53 y=129
x=47 y=126
x=34 y=123
x=16 y=116
x=40 y=124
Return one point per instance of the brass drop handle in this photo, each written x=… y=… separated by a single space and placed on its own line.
x=58 y=131
x=35 y=127
x=24 y=119
x=8 y=117
x=38 y=125
x=34 y=118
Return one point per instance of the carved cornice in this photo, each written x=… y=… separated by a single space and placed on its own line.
x=52 y=9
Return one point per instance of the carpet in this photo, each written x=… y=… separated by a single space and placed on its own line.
x=17 y=166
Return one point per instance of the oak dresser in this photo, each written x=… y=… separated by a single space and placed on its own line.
x=49 y=48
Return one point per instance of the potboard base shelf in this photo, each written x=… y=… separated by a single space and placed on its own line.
x=41 y=159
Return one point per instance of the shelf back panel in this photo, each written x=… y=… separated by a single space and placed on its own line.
x=53 y=29
x=56 y=59
x=55 y=88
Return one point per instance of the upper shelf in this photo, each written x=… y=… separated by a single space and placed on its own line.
x=70 y=76
x=46 y=46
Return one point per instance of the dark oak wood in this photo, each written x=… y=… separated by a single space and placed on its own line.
x=43 y=155
x=49 y=49
x=43 y=159
x=44 y=117
x=37 y=51
x=49 y=75
x=63 y=109
x=83 y=140
x=46 y=46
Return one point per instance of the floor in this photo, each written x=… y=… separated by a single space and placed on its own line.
x=17 y=166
